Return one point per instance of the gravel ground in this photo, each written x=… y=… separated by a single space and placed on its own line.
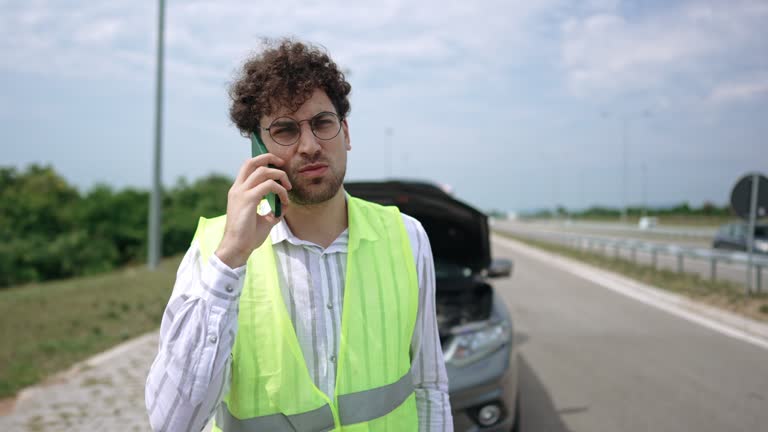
x=103 y=393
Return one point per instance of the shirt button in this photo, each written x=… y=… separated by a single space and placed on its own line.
x=330 y=306
x=333 y=359
x=212 y=338
x=229 y=288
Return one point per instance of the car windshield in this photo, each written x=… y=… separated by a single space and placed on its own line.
x=761 y=231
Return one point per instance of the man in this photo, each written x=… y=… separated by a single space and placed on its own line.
x=320 y=319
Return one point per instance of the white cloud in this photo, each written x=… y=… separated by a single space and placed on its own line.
x=740 y=91
x=101 y=32
x=89 y=38
x=695 y=44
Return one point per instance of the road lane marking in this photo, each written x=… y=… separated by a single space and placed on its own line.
x=718 y=320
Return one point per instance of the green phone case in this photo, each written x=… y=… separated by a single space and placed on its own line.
x=258 y=148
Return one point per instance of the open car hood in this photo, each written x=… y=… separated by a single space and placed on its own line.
x=457 y=231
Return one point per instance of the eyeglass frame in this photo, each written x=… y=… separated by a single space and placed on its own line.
x=299 y=122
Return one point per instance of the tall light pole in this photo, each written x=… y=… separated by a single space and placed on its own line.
x=624 y=170
x=624 y=138
x=645 y=190
x=155 y=201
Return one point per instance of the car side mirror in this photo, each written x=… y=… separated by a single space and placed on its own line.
x=500 y=267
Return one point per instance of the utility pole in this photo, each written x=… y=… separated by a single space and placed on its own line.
x=155 y=201
x=624 y=157
x=624 y=170
x=645 y=190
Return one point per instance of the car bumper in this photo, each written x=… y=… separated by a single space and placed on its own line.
x=492 y=380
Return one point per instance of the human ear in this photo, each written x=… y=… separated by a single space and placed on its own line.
x=345 y=128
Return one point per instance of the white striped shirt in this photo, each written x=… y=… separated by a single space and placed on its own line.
x=191 y=372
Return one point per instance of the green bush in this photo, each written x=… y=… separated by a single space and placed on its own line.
x=49 y=230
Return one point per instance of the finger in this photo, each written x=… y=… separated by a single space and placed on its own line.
x=271 y=218
x=260 y=191
x=262 y=174
x=250 y=165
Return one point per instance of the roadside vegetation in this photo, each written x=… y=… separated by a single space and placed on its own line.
x=73 y=280
x=722 y=294
x=50 y=230
x=47 y=327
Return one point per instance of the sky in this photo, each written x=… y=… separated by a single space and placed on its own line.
x=516 y=105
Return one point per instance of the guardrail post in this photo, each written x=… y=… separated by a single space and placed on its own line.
x=653 y=258
x=616 y=251
x=713 y=268
x=679 y=262
x=759 y=276
x=634 y=254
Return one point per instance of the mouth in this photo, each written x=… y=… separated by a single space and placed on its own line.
x=313 y=170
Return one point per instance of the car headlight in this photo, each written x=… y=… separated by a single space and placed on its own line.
x=761 y=245
x=475 y=341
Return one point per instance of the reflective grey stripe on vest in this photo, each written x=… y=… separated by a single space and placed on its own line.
x=374 y=403
x=353 y=408
x=318 y=420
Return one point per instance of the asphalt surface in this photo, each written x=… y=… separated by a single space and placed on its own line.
x=703 y=267
x=594 y=360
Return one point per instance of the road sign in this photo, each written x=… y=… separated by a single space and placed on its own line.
x=749 y=200
x=741 y=196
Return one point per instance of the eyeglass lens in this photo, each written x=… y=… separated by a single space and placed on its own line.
x=286 y=130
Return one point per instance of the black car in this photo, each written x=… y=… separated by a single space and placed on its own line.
x=475 y=326
x=733 y=236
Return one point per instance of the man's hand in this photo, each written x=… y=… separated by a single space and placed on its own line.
x=246 y=230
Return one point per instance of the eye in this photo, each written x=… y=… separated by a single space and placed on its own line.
x=284 y=129
x=324 y=121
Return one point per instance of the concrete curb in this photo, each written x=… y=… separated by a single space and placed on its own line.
x=719 y=320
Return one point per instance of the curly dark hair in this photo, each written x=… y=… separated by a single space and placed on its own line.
x=284 y=75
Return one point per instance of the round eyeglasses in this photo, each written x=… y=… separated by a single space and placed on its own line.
x=287 y=131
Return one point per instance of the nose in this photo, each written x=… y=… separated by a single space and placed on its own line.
x=308 y=143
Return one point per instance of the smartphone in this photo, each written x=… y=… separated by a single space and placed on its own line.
x=258 y=148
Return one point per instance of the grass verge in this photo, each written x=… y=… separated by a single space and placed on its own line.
x=722 y=294
x=50 y=326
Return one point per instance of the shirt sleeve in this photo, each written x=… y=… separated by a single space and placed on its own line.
x=191 y=371
x=430 y=379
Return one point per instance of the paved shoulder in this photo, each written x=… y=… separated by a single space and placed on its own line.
x=103 y=393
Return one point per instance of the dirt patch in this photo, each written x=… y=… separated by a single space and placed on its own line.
x=7 y=405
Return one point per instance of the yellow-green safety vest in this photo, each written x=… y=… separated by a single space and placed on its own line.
x=271 y=389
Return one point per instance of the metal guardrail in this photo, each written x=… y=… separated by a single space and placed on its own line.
x=684 y=232
x=654 y=249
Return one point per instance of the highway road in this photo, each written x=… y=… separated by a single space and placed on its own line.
x=595 y=360
x=731 y=272
x=695 y=237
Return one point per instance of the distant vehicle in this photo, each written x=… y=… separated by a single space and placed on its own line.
x=733 y=236
x=474 y=322
x=647 y=222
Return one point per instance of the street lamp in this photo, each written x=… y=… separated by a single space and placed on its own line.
x=155 y=200
x=624 y=126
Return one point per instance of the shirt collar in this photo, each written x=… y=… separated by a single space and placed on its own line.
x=281 y=232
